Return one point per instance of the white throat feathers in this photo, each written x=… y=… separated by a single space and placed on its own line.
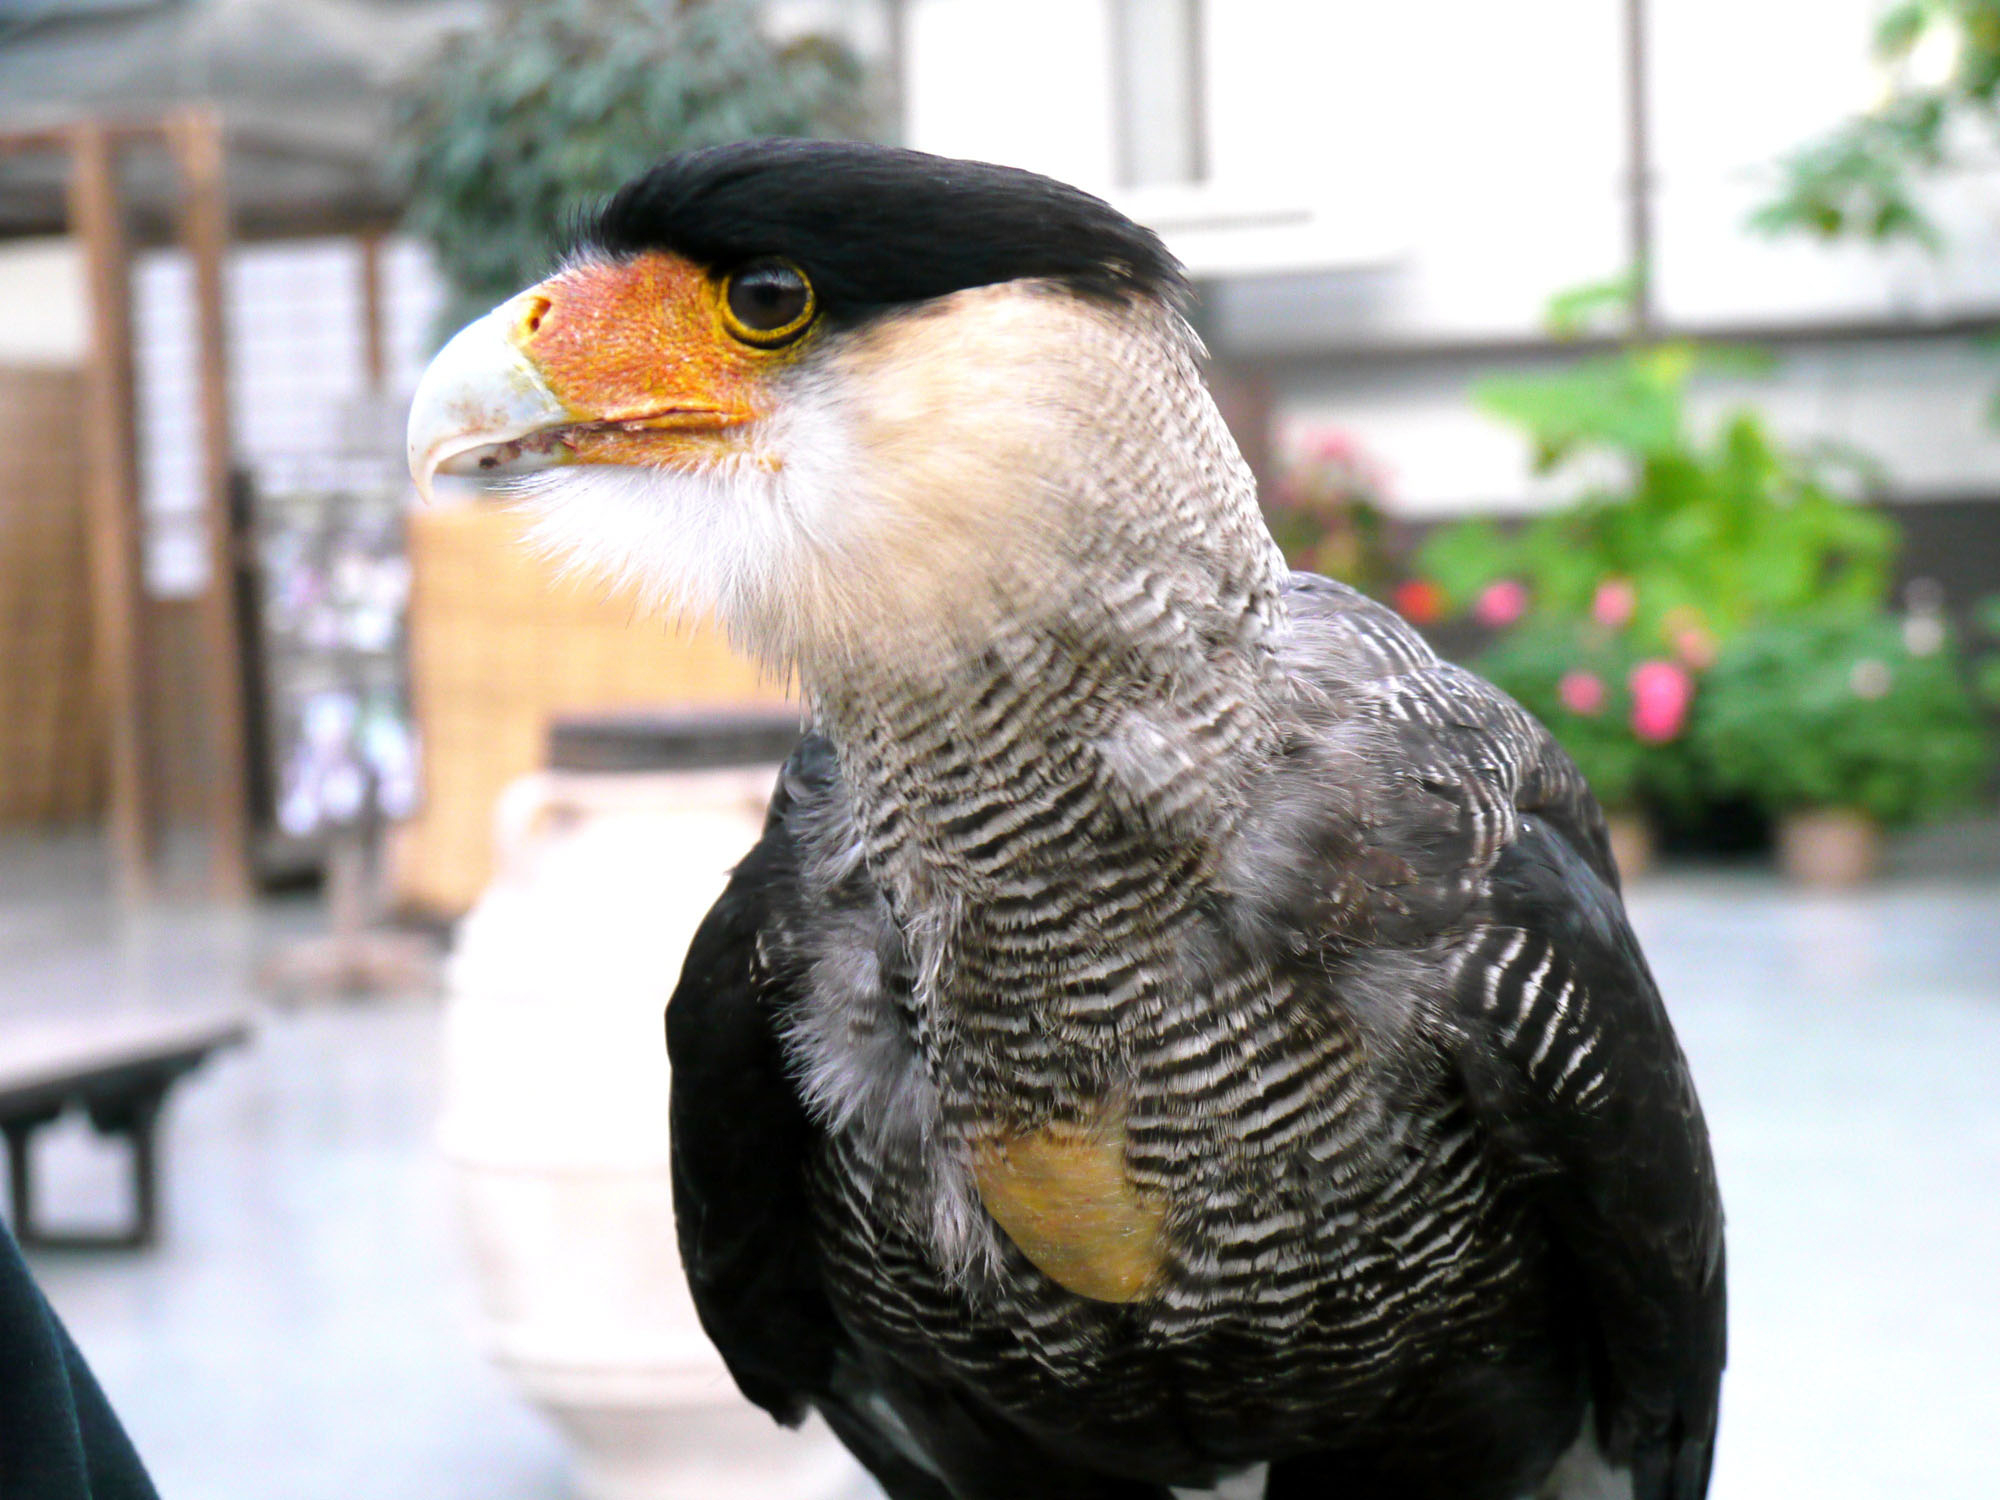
x=936 y=478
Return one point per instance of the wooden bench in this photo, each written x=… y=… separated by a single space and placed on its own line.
x=117 y=1068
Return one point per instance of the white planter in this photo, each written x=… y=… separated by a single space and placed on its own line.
x=555 y=1126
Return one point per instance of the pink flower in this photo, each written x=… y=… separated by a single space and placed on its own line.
x=1581 y=692
x=1695 y=646
x=1614 y=602
x=1501 y=603
x=1332 y=447
x=1688 y=634
x=1661 y=693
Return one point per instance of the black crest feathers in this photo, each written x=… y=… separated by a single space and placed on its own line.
x=875 y=227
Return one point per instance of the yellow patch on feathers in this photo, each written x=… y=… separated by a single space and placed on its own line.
x=1061 y=1195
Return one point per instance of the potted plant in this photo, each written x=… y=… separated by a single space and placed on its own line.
x=1840 y=724
x=1681 y=537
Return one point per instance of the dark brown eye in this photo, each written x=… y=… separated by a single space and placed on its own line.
x=767 y=303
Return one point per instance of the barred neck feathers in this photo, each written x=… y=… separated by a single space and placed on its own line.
x=1082 y=635
x=1022 y=461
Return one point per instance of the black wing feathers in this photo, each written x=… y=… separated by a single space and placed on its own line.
x=740 y=1141
x=1565 y=1049
x=1572 y=1065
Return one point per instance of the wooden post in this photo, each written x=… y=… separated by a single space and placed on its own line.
x=111 y=504
x=196 y=138
x=374 y=346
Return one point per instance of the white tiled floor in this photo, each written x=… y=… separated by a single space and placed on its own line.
x=302 y=1331
x=1848 y=1053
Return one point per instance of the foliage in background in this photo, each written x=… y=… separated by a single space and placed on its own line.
x=1987 y=666
x=1866 y=712
x=1326 y=513
x=1861 y=179
x=1711 y=532
x=516 y=127
x=1609 y=614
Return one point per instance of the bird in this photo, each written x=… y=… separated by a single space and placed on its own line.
x=1175 y=1033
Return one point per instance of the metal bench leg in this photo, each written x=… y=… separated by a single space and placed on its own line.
x=143 y=1132
x=20 y=1193
x=21 y=1174
x=134 y=1115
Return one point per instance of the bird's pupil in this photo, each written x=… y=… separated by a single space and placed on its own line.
x=767 y=297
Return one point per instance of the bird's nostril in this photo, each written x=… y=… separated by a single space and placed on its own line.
x=531 y=319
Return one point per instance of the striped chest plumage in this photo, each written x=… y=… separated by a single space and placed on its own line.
x=1322 y=1261
x=1040 y=957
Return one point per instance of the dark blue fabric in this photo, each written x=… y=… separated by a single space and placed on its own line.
x=59 y=1439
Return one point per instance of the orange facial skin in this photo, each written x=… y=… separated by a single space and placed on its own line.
x=638 y=353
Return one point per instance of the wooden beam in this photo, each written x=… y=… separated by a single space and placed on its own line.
x=60 y=135
x=111 y=501
x=198 y=152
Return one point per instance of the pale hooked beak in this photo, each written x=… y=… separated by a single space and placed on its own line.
x=482 y=409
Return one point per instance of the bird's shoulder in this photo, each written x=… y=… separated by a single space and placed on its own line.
x=1399 y=778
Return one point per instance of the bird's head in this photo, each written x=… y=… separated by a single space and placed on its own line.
x=847 y=398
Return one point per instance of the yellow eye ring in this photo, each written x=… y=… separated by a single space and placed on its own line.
x=767 y=302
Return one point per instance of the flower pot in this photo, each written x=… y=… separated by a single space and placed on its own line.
x=1833 y=846
x=555 y=1131
x=1631 y=843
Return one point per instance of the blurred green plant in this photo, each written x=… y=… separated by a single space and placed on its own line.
x=547 y=107
x=1861 y=180
x=1986 y=667
x=1605 y=306
x=1608 y=614
x=1709 y=532
x=1865 y=712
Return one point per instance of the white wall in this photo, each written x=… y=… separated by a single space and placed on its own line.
x=1025 y=82
x=44 y=318
x=1475 y=156
x=1483 y=141
x=1487 y=141
x=1739 y=83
